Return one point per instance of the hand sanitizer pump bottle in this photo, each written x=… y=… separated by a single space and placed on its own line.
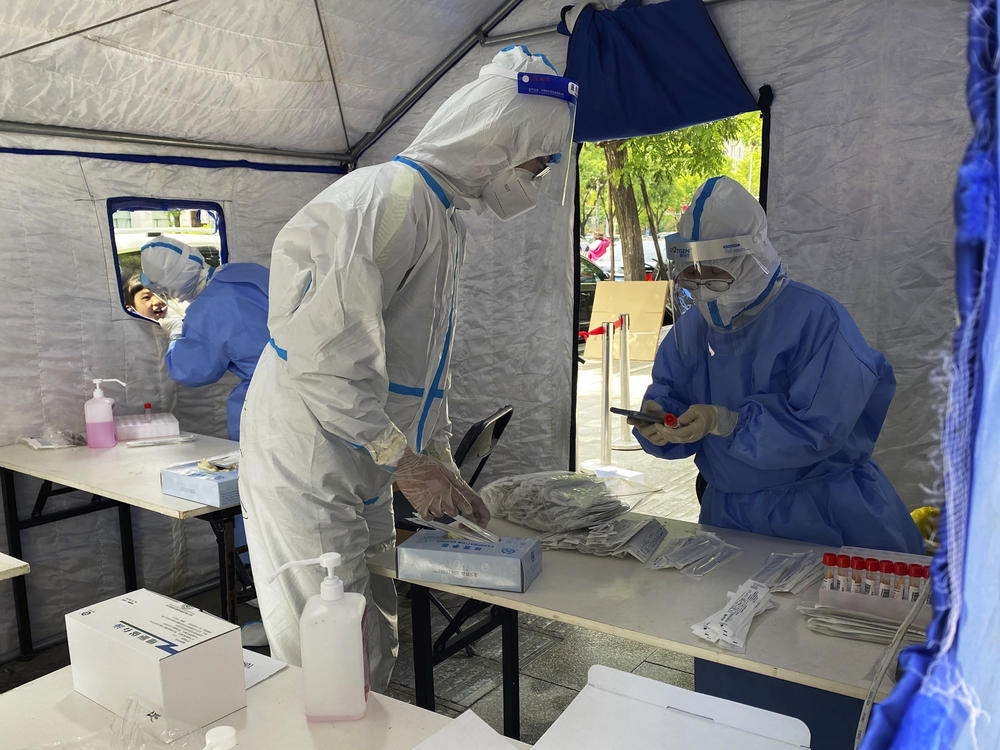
x=99 y=416
x=334 y=653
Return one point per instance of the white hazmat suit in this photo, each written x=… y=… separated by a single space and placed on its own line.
x=362 y=319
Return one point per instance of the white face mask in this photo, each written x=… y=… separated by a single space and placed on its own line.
x=712 y=307
x=512 y=193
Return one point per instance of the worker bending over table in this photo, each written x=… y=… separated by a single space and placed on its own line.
x=350 y=395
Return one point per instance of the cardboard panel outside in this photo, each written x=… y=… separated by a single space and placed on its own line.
x=644 y=302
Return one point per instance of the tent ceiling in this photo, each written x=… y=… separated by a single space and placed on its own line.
x=254 y=73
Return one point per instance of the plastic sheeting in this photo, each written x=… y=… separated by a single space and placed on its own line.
x=673 y=71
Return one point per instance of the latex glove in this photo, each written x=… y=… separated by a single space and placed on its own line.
x=704 y=419
x=435 y=491
x=659 y=433
x=173 y=325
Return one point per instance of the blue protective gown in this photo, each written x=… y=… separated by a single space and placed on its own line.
x=225 y=328
x=811 y=397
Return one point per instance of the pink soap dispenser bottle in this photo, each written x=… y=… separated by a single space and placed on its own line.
x=98 y=412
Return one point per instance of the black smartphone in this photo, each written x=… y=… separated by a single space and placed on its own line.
x=641 y=416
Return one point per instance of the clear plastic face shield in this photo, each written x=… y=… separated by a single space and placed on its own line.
x=556 y=87
x=708 y=274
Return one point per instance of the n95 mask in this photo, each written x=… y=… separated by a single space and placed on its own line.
x=512 y=192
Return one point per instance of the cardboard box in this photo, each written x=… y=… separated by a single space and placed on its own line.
x=644 y=301
x=618 y=709
x=143 y=427
x=509 y=565
x=218 y=488
x=185 y=662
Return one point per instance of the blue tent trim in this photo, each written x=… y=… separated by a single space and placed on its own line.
x=670 y=52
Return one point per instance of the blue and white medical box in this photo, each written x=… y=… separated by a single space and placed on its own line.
x=432 y=556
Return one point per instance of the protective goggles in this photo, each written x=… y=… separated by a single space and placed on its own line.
x=556 y=87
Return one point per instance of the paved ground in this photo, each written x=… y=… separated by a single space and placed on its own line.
x=554 y=656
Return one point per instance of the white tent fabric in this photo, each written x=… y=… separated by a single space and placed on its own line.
x=65 y=325
x=868 y=129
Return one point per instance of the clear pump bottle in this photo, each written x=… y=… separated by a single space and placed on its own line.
x=98 y=413
x=334 y=654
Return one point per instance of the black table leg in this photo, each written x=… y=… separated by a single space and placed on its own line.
x=128 y=546
x=423 y=658
x=18 y=584
x=227 y=569
x=511 y=677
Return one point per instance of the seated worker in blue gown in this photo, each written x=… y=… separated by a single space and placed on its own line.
x=225 y=323
x=778 y=396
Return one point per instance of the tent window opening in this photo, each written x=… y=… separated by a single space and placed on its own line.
x=193 y=231
x=633 y=191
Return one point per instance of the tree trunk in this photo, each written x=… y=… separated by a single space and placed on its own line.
x=661 y=269
x=623 y=197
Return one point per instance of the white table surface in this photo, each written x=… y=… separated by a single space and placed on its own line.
x=11 y=566
x=130 y=475
x=48 y=710
x=658 y=607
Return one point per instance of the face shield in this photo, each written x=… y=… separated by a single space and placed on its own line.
x=556 y=87
x=516 y=190
x=711 y=274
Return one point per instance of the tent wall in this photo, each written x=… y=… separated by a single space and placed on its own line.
x=64 y=324
x=868 y=129
x=869 y=126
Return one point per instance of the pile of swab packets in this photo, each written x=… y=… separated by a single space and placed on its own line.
x=728 y=628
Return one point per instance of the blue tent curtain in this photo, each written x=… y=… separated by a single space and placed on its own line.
x=647 y=69
x=950 y=677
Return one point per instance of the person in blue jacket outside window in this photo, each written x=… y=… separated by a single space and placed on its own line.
x=776 y=392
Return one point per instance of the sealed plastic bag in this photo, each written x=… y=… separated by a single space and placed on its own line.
x=553 y=500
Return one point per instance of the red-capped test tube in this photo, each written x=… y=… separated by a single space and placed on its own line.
x=829 y=571
x=871 y=576
x=857 y=574
x=148 y=407
x=916 y=581
x=899 y=570
x=885 y=580
x=670 y=420
x=844 y=572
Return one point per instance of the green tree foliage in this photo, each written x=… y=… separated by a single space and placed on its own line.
x=672 y=166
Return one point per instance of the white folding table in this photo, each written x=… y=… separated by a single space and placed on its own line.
x=118 y=477
x=48 y=710
x=656 y=607
x=11 y=567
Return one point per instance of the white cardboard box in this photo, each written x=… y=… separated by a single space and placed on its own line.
x=621 y=710
x=146 y=427
x=173 y=656
x=218 y=488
